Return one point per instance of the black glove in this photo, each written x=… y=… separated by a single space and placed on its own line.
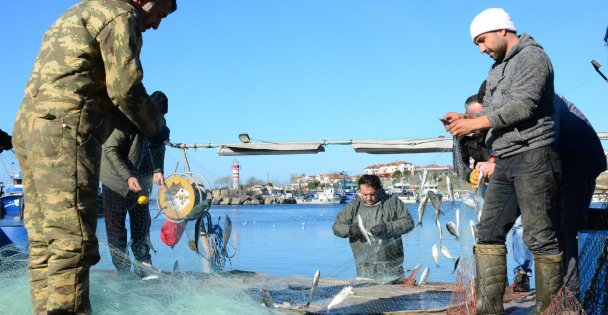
x=354 y=232
x=161 y=138
x=379 y=230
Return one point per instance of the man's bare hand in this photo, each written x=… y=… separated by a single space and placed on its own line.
x=133 y=184
x=159 y=180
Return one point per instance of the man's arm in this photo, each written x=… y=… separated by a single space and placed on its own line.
x=120 y=44
x=344 y=220
x=402 y=222
x=116 y=150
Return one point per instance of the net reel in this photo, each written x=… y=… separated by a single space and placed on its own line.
x=185 y=197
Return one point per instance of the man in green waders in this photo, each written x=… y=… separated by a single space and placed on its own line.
x=386 y=219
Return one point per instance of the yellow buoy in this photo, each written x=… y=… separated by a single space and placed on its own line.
x=142 y=200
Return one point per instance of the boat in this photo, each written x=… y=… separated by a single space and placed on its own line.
x=325 y=197
x=12 y=229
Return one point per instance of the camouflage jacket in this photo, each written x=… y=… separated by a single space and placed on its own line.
x=129 y=155
x=88 y=76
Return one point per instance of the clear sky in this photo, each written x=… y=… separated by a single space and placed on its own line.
x=295 y=70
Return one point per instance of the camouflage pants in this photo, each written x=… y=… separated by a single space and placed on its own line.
x=60 y=182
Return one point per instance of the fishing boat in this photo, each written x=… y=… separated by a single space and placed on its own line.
x=325 y=197
x=12 y=230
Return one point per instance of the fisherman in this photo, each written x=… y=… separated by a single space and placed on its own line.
x=87 y=79
x=5 y=141
x=129 y=165
x=583 y=159
x=374 y=223
x=473 y=146
x=518 y=113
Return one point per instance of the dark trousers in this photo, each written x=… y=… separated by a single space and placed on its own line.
x=576 y=196
x=116 y=208
x=532 y=178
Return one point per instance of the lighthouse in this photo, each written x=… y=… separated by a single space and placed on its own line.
x=235 y=174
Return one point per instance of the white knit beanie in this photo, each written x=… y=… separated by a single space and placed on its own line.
x=492 y=19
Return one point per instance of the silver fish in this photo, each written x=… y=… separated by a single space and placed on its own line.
x=446 y=252
x=457 y=220
x=422 y=181
x=365 y=233
x=421 y=208
x=340 y=297
x=226 y=234
x=470 y=202
x=435 y=201
x=435 y=253
x=451 y=227
x=472 y=224
x=313 y=289
x=423 y=277
x=450 y=188
x=438 y=226
x=267 y=298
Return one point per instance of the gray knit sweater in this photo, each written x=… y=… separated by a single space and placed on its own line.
x=519 y=100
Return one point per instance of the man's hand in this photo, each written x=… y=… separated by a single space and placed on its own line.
x=451 y=117
x=486 y=167
x=133 y=184
x=379 y=230
x=159 y=180
x=354 y=232
x=463 y=127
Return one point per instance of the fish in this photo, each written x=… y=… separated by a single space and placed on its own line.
x=197 y=232
x=434 y=201
x=472 y=224
x=421 y=208
x=340 y=297
x=226 y=235
x=267 y=298
x=457 y=221
x=456 y=264
x=149 y=242
x=450 y=188
x=435 y=253
x=438 y=226
x=313 y=289
x=412 y=277
x=423 y=277
x=446 y=252
x=470 y=202
x=451 y=227
x=422 y=181
x=365 y=233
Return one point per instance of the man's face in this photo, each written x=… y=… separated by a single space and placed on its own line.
x=493 y=44
x=368 y=194
x=154 y=12
x=474 y=108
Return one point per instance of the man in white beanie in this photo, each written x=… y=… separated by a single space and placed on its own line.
x=518 y=113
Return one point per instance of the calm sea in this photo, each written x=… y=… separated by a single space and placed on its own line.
x=296 y=240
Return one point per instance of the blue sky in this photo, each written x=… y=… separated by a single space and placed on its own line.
x=321 y=69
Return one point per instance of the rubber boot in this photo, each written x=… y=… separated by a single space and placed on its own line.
x=491 y=277
x=548 y=280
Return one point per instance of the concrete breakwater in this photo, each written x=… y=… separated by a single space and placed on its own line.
x=232 y=197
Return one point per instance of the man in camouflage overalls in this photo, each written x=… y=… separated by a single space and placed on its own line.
x=86 y=81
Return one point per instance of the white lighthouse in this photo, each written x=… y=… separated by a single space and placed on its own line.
x=235 y=174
